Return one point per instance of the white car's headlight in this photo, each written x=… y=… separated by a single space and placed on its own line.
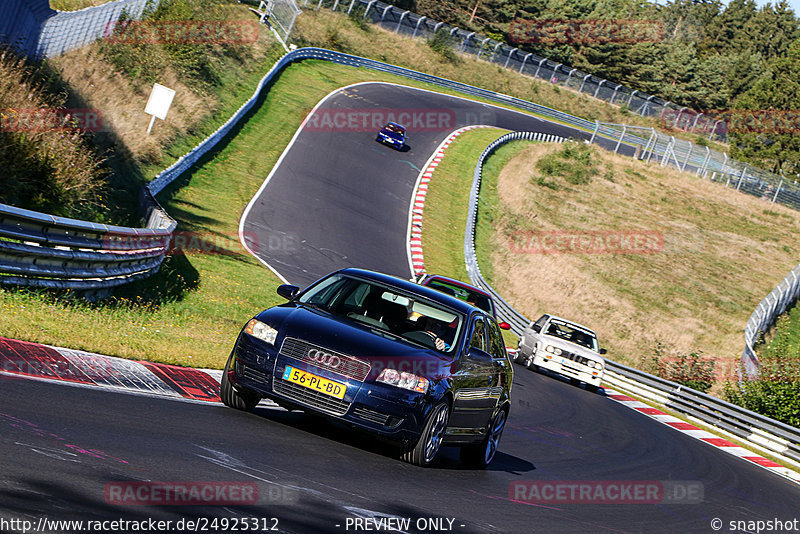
x=552 y=349
x=262 y=331
x=404 y=380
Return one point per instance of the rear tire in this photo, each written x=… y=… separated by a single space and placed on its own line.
x=423 y=452
x=240 y=400
x=481 y=455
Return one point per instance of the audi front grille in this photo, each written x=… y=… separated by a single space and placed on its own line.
x=348 y=366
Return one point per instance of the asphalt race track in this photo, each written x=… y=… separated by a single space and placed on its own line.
x=338 y=199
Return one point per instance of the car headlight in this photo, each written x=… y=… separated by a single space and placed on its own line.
x=404 y=380
x=262 y=331
x=552 y=349
x=590 y=363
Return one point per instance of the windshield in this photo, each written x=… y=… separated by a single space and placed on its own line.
x=474 y=298
x=387 y=310
x=395 y=129
x=573 y=334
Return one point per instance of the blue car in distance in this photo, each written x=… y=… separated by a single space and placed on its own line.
x=392 y=134
x=402 y=361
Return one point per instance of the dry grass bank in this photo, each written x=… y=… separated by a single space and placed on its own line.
x=722 y=252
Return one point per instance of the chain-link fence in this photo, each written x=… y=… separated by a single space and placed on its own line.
x=280 y=15
x=404 y=22
x=37 y=31
x=651 y=145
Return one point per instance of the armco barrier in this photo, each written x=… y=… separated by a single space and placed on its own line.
x=781 y=439
x=43 y=250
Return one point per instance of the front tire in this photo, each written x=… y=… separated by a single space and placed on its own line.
x=245 y=401
x=481 y=455
x=424 y=450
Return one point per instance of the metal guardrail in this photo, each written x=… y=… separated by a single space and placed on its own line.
x=43 y=250
x=781 y=439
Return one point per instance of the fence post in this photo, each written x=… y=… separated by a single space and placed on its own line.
x=400 y=22
x=702 y=168
x=536 y=74
x=583 y=82
x=696 y=117
x=511 y=53
x=630 y=98
x=480 y=48
x=741 y=177
x=599 y=85
x=525 y=59
x=464 y=42
x=352 y=3
x=383 y=15
x=689 y=155
x=594 y=133
x=369 y=5
x=777 y=191
x=619 y=142
x=417 y=26
x=568 y=77
x=614 y=95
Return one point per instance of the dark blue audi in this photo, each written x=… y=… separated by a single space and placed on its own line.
x=383 y=354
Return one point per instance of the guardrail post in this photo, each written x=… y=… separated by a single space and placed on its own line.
x=352 y=3
x=614 y=95
x=319 y=5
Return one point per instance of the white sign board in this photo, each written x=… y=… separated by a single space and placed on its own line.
x=160 y=101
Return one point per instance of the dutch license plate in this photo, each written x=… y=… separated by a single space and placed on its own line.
x=317 y=383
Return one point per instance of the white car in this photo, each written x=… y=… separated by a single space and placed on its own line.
x=563 y=347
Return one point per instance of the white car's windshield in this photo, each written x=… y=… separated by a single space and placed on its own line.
x=388 y=310
x=572 y=333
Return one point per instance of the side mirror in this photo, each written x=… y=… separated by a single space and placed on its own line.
x=287 y=291
x=504 y=325
x=603 y=351
x=478 y=355
x=537 y=328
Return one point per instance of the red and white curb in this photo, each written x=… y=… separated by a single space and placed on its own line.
x=32 y=360
x=415 y=255
x=703 y=435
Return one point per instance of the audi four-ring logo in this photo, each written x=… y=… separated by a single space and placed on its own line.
x=324 y=358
